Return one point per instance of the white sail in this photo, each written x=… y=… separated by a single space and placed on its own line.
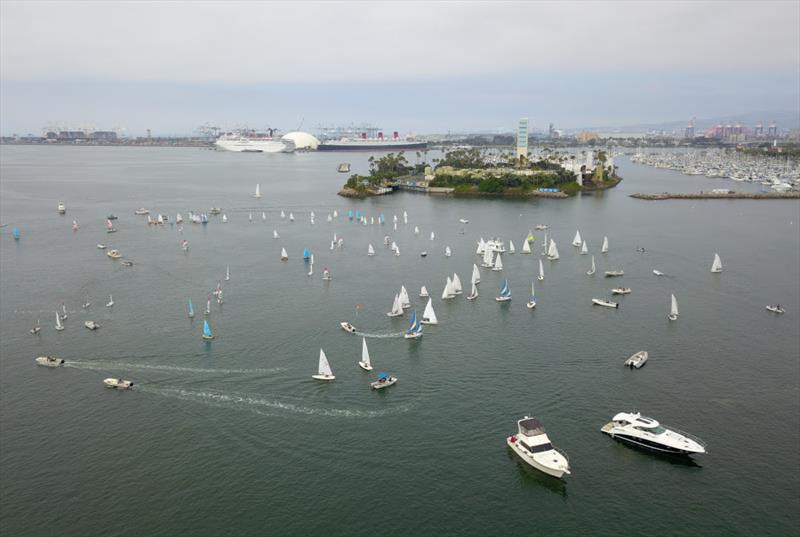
x=544 y=244
x=584 y=249
x=423 y=292
x=498 y=263
x=448 y=289
x=716 y=266
x=416 y=230
x=110 y=301
x=335 y=213
x=481 y=247
x=592 y=270
x=487 y=257
x=263 y=216
x=405 y=217
x=250 y=217
x=370 y=250
x=474 y=292
x=456 y=284
x=59 y=326
x=283 y=214
x=404 y=301
x=577 y=240
x=552 y=251
x=394 y=246
x=324 y=366
x=447 y=251
x=476 y=275
x=365 y=353
x=541 y=270
x=526 y=247
x=224 y=218
x=291 y=217
x=511 y=248
x=227 y=273
x=433 y=235
x=604 y=249
x=275 y=234
x=284 y=254
x=428 y=316
x=258 y=191
x=397 y=309
x=395 y=226
x=673 y=310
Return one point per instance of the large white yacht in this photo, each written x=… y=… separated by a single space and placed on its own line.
x=533 y=446
x=647 y=433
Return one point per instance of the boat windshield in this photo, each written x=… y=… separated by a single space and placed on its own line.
x=538 y=449
x=658 y=429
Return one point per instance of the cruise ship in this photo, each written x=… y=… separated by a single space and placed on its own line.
x=254 y=142
x=378 y=143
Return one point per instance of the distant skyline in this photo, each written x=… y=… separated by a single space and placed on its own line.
x=407 y=66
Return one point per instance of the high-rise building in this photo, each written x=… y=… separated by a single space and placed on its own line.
x=522 y=138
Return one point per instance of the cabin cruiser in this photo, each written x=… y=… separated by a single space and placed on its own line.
x=114 y=254
x=49 y=361
x=347 y=327
x=533 y=446
x=91 y=325
x=637 y=360
x=647 y=433
x=384 y=381
x=141 y=211
x=776 y=308
x=62 y=209
x=604 y=302
x=621 y=290
x=119 y=384
x=613 y=273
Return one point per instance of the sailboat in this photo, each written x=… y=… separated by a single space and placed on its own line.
x=311 y=267
x=291 y=217
x=481 y=247
x=716 y=266
x=526 y=247
x=227 y=273
x=414 y=328
x=423 y=292
x=110 y=302
x=224 y=218
x=476 y=274
x=505 y=292
x=263 y=216
x=365 y=364
x=306 y=254
x=405 y=217
x=283 y=214
x=326 y=275
x=63 y=312
x=207 y=335
x=473 y=294
x=416 y=230
x=577 y=240
x=397 y=309
x=541 y=271
x=433 y=235
x=324 y=370
x=532 y=302
x=498 y=263
x=87 y=303
x=404 y=301
x=370 y=251
x=584 y=249
x=258 y=191
x=604 y=249
x=284 y=255
x=511 y=248
x=335 y=213
x=333 y=245
x=456 y=284
x=208 y=307
x=36 y=328
x=191 y=310
x=673 y=310
x=591 y=271
x=428 y=316
x=447 y=251
x=59 y=325
x=448 y=292
x=275 y=234
x=552 y=251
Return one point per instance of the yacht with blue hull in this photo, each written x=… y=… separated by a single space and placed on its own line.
x=647 y=433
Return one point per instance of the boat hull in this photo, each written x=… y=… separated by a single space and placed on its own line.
x=533 y=463
x=365 y=367
x=323 y=377
x=370 y=146
x=381 y=385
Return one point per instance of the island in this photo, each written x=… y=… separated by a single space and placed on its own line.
x=486 y=173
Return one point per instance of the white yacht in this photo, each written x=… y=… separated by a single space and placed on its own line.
x=119 y=384
x=533 y=446
x=647 y=433
x=49 y=361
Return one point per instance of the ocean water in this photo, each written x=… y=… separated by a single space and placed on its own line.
x=233 y=437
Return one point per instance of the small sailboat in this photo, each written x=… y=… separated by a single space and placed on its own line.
x=207 y=334
x=552 y=251
x=397 y=309
x=584 y=249
x=591 y=271
x=423 y=292
x=191 y=309
x=488 y=256
x=227 y=273
x=333 y=245
x=404 y=300
x=311 y=268
x=59 y=324
x=208 y=307
x=414 y=328
x=258 y=191
x=291 y=217
x=283 y=214
x=481 y=247
x=526 y=247
x=544 y=244
x=416 y=230
x=498 y=263
x=511 y=248
x=716 y=266
x=604 y=248
x=448 y=292
x=428 y=316
x=541 y=271
x=263 y=216
x=532 y=302
x=473 y=294
x=36 y=328
x=505 y=292
x=284 y=255
x=577 y=240
x=306 y=254
x=447 y=251
x=63 y=312
x=110 y=302
x=364 y=364
x=324 y=369
x=476 y=274
x=456 y=284
x=405 y=217
x=250 y=217
x=75 y=225
x=326 y=275
x=15 y=233
x=185 y=245
x=224 y=218
x=275 y=234
x=87 y=303
x=370 y=251
x=673 y=309
x=433 y=235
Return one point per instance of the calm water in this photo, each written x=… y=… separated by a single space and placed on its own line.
x=235 y=438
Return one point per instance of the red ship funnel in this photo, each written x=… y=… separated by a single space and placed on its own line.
x=396 y=136
x=380 y=136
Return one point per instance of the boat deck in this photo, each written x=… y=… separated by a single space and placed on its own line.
x=607 y=427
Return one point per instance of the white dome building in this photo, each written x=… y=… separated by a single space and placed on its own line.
x=302 y=140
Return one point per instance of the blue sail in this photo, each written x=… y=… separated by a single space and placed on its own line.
x=413 y=322
x=15 y=233
x=358 y=214
x=191 y=309
x=350 y=214
x=306 y=253
x=381 y=219
x=207 y=329
x=504 y=290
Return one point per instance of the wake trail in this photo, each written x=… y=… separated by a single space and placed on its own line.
x=384 y=335
x=130 y=365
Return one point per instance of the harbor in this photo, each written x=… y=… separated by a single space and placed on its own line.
x=724 y=195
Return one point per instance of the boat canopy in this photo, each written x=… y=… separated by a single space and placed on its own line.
x=530 y=427
x=383 y=376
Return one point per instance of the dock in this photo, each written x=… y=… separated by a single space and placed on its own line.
x=719 y=196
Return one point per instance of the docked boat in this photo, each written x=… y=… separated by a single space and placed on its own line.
x=365 y=362
x=505 y=292
x=637 y=360
x=604 y=302
x=592 y=270
x=614 y=273
x=533 y=446
x=716 y=266
x=384 y=381
x=647 y=433
x=429 y=316
x=621 y=290
x=49 y=361
x=249 y=141
x=360 y=142
x=673 y=309
x=114 y=254
x=414 y=328
x=347 y=327
x=118 y=384
x=776 y=308
x=91 y=325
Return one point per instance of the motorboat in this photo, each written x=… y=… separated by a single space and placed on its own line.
x=91 y=325
x=114 y=254
x=604 y=302
x=111 y=216
x=423 y=254
x=658 y=272
x=141 y=211
x=621 y=290
x=49 y=361
x=101 y=246
x=347 y=327
x=776 y=308
x=533 y=446
x=36 y=328
x=540 y=227
x=214 y=211
x=614 y=273
x=118 y=384
x=384 y=381
x=647 y=433
x=62 y=209
x=463 y=220
x=637 y=360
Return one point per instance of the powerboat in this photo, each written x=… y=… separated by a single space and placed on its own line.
x=613 y=273
x=776 y=308
x=91 y=325
x=112 y=216
x=384 y=381
x=49 y=361
x=604 y=302
x=463 y=220
x=62 y=209
x=540 y=227
x=119 y=384
x=621 y=290
x=347 y=327
x=533 y=446
x=423 y=254
x=647 y=433
x=637 y=360
x=658 y=272
x=101 y=246
x=141 y=211
x=114 y=254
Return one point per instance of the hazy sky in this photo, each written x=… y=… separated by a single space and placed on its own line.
x=421 y=66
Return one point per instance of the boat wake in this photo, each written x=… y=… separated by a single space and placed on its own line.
x=129 y=365
x=384 y=335
x=267 y=407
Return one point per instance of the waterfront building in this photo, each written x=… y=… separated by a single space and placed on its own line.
x=522 y=138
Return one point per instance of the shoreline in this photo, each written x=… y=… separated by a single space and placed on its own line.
x=717 y=196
